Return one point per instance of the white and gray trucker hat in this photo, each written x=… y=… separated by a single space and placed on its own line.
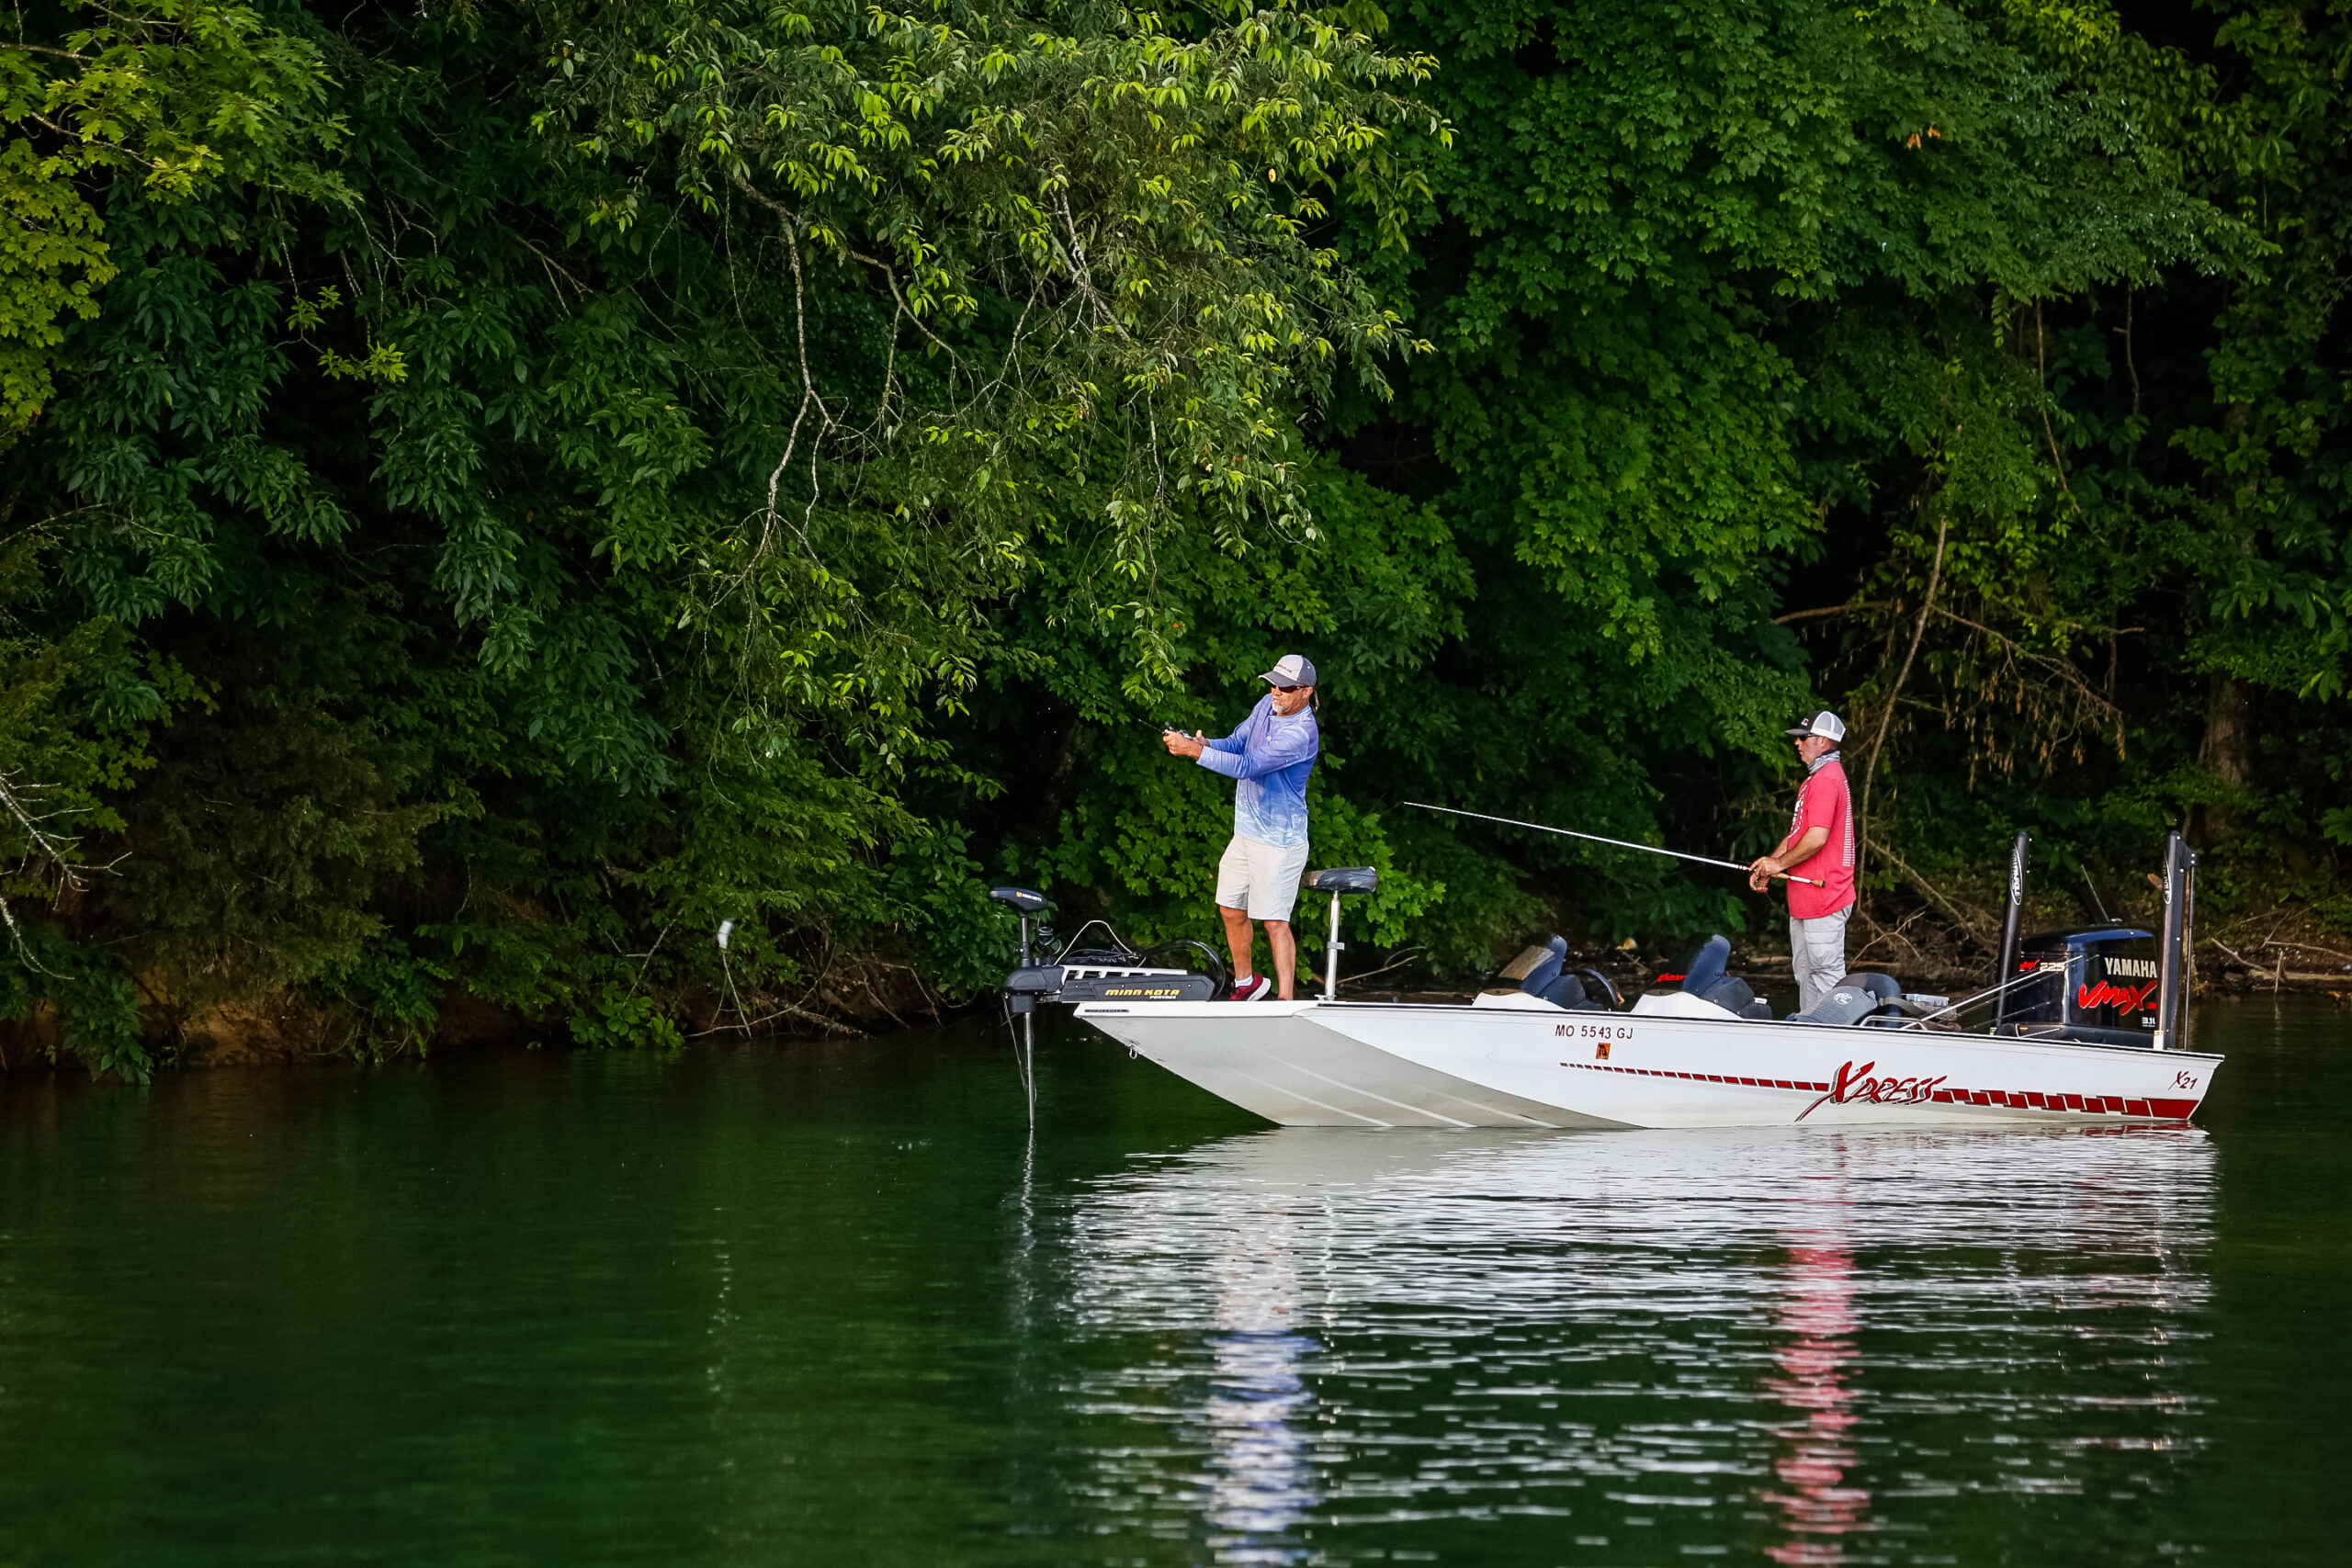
x=1826 y=725
x=1290 y=669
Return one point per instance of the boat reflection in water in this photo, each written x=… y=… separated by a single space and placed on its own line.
x=1818 y=1317
x=1263 y=1484
x=1760 y=1342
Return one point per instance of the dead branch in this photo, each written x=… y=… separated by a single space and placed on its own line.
x=1972 y=923
x=2041 y=378
x=1411 y=954
x=784 y=1009
x=1829 y=609
x=1895 y=693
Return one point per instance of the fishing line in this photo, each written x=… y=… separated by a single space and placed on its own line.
x=1618 y=843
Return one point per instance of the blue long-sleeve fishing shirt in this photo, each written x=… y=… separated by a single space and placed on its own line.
x=1270 y=757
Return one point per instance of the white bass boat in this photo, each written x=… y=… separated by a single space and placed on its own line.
x=2078 y=1027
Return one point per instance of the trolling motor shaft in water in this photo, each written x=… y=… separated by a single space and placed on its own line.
x=1027 y=905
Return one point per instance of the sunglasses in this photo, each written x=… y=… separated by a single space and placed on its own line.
x=1287 y=689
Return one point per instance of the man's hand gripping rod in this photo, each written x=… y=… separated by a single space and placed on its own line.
x=1620 y=844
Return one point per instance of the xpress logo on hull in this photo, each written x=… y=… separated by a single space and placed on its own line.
x=1854 y=1085
x=1857 y=1086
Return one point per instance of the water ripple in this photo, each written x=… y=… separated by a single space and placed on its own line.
x=1806 y=1345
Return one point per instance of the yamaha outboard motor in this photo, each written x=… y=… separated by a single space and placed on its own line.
x=2112 y=984
x=2098 y=985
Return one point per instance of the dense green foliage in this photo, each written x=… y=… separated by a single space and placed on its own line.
x=495 y=493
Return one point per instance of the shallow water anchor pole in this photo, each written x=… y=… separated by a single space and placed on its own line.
x=2173 y=972
x=1332 y=955
x=2012 y=923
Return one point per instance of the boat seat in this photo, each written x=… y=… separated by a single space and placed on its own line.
x=1518 y=968
x=1885 y=988
x=1543 y=972
x=1734 y=995
x=1538 y=966
x=1703 y=978
x=1344 y=879
x=1020 y=899
x=1679 y=1004
x=1843 y=1008
x=1706 y=966
x=1569 y=991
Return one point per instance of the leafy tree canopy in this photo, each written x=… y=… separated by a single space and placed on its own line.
x=494 y=493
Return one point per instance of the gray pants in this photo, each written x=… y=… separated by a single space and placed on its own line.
x=1818 y=952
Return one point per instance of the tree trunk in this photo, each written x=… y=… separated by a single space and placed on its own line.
x=2228 y=751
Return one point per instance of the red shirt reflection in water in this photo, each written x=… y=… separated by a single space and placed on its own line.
x=1819 y=1314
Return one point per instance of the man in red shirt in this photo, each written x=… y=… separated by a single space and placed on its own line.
x=1820 y=845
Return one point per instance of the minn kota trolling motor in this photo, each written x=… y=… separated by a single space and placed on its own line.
x=1116 y=973
x=1179 y=971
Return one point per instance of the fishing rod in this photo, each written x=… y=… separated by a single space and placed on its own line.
x=1619 y=843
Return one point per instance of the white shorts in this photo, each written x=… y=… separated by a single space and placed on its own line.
x=1261 y=879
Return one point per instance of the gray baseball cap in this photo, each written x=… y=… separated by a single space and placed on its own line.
x=1826 y=725
x=1290 y=669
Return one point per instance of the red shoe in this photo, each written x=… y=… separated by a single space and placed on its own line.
x=1258 y=988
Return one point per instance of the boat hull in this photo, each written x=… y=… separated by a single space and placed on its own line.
x=1315 y=1064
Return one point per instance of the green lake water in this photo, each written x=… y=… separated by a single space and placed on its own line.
x=830 y=1304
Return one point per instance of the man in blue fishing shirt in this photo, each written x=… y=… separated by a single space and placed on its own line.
x=1269 y=756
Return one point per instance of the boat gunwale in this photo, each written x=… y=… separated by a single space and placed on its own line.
x=1300 y=1006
